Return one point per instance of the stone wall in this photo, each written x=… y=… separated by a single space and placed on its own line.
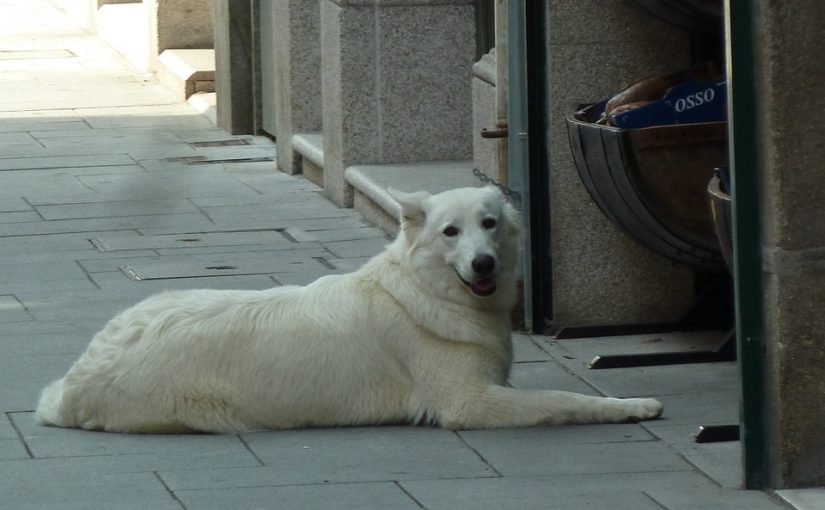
x=600 y=275
x=792 y=150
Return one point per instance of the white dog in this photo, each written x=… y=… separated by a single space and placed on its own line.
x=419 y=334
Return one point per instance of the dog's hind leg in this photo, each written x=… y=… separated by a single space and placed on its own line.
x=499 y=407
x=50 y=407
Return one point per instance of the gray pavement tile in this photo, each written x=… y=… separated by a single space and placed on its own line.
x=290 y=197
x=650 y=381
x=25 y=271
x=12 y=449
x=12 y=204
x=112 y=208
x=356 y=248
x=56 y=137
x=616 y=492
x=719 y=461
x=365 y=454
x=274 y=249
x=310 y=225
x=28 y=485
x=586 y=348
x=19 y=217
x=717 y=498
x=55 y=243
x=120 y=282
x=525 y=350
x=346 y=234
x=197 y=181
x=12 y=310
x=57 y=186
x=339 y=496
x=28 y=288
x=44 y=124
x=701 y=408
x=208 y=264
x=182 y=221
x=346 y=265
x=114 y=242
x=50 y=442
x=64 y=161
x=305 y=276
x=255 y=214
x=804 y=499
x=6 y=429
x=582 y=449
x=547 y=375
x=22 y=377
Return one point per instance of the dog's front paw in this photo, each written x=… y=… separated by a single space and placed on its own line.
x=640 y=409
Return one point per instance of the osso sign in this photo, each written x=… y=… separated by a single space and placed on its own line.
x=694 y=100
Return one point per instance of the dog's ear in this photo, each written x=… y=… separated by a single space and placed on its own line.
x=413 y=211
x=511 y=216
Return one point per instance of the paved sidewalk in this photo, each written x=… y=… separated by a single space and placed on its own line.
x=111 y=191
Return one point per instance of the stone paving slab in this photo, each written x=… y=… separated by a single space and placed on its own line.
x=526 y=452
x=13 y=204
x=115 y=208
x=719 y=461
x=338 y=496
x=661 y=380
x=179 y=221
x=187 y=266
x=22 y=487
x=365 y=454
x=19 y=217
x=35 y=163
x=218 y=239
x=596 y=491
x=12 y=310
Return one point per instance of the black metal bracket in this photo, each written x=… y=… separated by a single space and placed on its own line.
x=725 y=352
x=717 y=433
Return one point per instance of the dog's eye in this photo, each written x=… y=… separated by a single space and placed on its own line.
x=450 y=231
x=488 y=223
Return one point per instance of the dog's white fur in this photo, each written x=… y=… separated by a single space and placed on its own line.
x=401 y=340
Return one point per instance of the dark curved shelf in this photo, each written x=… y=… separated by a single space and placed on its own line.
x=652 y=182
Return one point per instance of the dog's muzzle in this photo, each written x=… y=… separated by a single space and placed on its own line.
x=484 y=266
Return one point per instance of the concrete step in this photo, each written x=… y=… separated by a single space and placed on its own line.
x=123 y=27
x=309 y=152
x=371 y=182
x=206 y=104
x=187 y=72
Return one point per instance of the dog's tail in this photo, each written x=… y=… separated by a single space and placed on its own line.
x=50 y=407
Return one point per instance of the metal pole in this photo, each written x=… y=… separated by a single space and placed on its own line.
x=744 y=161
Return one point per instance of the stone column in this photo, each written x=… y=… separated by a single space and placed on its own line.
x=297 y=70
x=234 y=68
x=179 y=24
x=789 y=108
x=600 y=275
x=396 y=80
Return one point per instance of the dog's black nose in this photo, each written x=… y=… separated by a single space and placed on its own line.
x=484 y=264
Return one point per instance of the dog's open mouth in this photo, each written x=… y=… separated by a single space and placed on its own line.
x=481 y=288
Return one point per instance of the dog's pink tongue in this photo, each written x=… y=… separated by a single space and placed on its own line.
x=484 y=287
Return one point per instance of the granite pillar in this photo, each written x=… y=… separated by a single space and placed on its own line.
x=396 y=84
x=600 y=275
x=791 y=150
x=234 y=66
x=297 y=74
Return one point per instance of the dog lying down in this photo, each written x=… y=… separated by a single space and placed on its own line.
x=419 y=334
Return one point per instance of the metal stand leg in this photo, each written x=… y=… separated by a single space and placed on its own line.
x=725 y=352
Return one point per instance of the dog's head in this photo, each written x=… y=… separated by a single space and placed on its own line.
x=462 y=243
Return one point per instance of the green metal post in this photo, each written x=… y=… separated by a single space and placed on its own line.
x=744 y=160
